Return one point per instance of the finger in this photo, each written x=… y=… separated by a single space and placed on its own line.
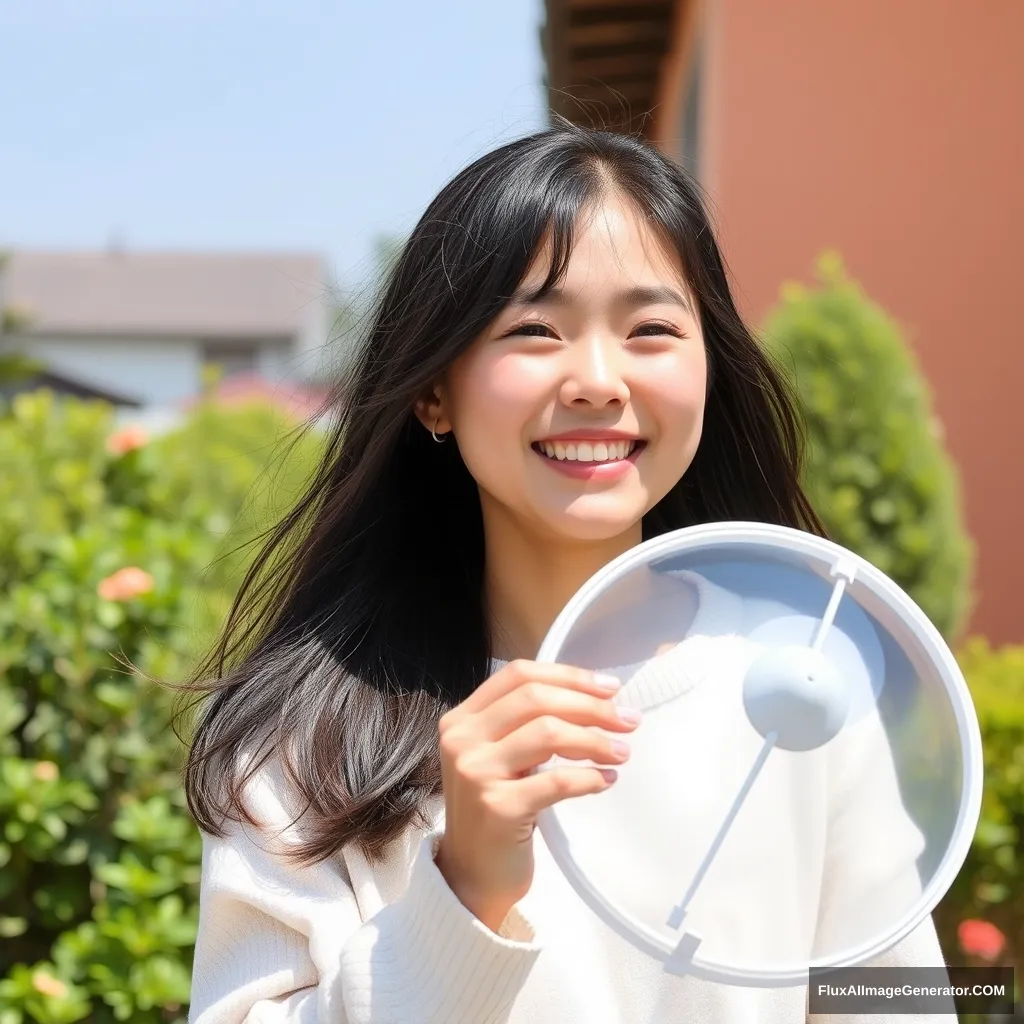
x=546 y=737
x=539 y=700
x=537 y=792
x=521 y=671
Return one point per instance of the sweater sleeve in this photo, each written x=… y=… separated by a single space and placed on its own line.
x=281 y=944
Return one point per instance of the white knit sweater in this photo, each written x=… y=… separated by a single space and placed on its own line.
x=347 y=942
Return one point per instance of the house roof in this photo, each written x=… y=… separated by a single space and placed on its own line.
x=62 y=384
x=163 y=293
x=613 y=63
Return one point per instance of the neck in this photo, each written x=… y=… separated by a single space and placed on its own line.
x=529 y=579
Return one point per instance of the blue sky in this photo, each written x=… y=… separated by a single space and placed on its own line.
x=221 y=124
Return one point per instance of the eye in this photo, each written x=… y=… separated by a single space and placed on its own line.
x=528 y=327
x=655 y=327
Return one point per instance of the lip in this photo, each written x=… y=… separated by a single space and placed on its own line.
x=591 y=434
x=593 y=470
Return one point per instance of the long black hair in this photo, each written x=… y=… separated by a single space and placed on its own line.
x=362 y=619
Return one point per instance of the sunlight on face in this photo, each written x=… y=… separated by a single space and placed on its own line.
x=620 y=350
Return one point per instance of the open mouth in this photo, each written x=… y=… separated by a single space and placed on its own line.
x=589 y=451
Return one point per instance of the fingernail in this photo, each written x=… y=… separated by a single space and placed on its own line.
x=608 y=774
x=620 y=749
x=629 y=715
x=606 y=682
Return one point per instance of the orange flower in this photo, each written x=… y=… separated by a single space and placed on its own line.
x=46 y=771
x=981 y=939
x=48 y=985
x=124 y=440
x=125 y=584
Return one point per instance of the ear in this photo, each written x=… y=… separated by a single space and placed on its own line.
x=430 y=411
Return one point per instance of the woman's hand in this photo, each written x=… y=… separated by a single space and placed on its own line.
x=524 y=714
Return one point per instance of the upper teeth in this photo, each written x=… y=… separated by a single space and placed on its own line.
x=582 y=451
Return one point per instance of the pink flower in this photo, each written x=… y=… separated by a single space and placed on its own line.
x=46 y=771
x=124 y=440
x=48 y=985
x=981 y=939
x=125 y=584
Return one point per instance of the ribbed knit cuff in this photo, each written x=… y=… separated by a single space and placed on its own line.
x=667 y=676
x=425 y=959
x=428 y=883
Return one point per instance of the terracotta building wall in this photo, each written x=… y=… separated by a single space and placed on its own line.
x=893 y=132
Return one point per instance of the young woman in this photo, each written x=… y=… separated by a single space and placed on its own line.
x=554 y=372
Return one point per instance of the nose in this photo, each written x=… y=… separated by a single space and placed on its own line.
x=594 y=373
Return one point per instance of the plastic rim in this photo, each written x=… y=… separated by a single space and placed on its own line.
x=636 y=932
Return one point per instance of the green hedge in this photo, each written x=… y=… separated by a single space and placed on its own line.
x=991 y=885
x=877 y=470
x=125 y=550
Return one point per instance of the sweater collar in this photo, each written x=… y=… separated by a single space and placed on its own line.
x=668 y=675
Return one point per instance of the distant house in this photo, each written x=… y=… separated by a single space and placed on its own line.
x=145 y=325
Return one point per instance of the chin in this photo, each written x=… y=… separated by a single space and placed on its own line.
x=593 y=528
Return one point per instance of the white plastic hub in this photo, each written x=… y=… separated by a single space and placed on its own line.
x=797 y=694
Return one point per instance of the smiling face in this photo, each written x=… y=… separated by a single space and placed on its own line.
x=578 y=412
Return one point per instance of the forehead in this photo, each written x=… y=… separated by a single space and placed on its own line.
x=612 y=239
x=614 y=250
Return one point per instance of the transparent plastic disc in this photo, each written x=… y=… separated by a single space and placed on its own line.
x=806 y=780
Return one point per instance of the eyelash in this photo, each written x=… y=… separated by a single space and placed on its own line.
x=665 y=328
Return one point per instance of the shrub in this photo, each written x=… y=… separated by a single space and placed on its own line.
x=877 y=471
x=109 y=544
x=990 y=886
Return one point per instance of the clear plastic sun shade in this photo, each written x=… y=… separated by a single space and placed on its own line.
x=806 y=780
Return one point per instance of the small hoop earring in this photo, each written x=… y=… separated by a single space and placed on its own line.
x=439 y=440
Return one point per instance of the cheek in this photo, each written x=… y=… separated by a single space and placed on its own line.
x=677 y=398
x=495 y=399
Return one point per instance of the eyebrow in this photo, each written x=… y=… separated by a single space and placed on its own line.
x=640 y=295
